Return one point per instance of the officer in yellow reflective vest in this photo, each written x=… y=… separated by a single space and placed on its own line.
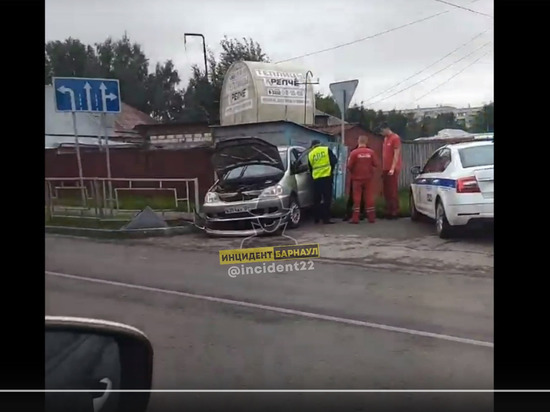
x=322 y=163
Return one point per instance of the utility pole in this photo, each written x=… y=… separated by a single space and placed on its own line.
x=203 y=49
x=306 y=83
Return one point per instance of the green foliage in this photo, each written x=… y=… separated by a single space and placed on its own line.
x=153 y=93
x=485 y=120
x=326 y=104
x=159 y=95
x=338 y=206
x=202 y=95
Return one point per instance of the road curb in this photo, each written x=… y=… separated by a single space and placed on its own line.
x=122 y=233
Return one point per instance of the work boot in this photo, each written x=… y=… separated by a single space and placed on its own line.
x=371 y=217
x=355 y=218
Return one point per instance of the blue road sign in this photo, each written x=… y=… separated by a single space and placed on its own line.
x=75 y=94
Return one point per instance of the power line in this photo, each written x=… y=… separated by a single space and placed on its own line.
x=429 y=66
x=430 y=76
x=452 y=77
x=464 y=8
x=366 y=38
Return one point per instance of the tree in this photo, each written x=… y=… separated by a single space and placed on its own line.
x=156 y=94
x=127 y=62
x=484 y=120
x=165 y=100
x=202 y=95
x=70 y=58
x=327 y=104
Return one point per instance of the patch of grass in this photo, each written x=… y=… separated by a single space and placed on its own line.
x=88 y=223
x=404 y=210
x=338 y=207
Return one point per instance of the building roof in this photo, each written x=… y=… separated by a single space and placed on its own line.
x=311 y=128
x=448 y=134
x=89 y=124
x=332 y=120
x=54 y=142
x=130 y=117
x=335 y=129
x=60 y=128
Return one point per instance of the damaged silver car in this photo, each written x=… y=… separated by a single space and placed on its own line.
x=259 y=186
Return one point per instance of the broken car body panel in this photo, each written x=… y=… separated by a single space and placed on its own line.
x=257 y=183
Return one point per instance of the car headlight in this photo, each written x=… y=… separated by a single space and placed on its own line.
x=271 y=191
x=211 y=197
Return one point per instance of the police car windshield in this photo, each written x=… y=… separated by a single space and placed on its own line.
x=477 y=156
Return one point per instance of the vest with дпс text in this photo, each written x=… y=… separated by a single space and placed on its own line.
x=319 y=160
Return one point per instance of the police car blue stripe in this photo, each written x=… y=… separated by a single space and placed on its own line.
x=440 y=182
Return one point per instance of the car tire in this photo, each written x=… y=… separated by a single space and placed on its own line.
x=415 y=215
x=442 y=226
x=295 y=213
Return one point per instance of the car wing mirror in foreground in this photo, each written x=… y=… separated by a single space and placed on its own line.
x=415 y=170
x=95 y=360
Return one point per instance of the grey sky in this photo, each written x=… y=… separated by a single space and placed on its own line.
x=287 y=29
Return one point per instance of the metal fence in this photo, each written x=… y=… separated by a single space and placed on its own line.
x=415 y=154
x=111 y=198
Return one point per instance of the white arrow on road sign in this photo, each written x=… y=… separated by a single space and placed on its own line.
x=343 y=92
x=104 y=96
x=64 y=90
x=88 y=89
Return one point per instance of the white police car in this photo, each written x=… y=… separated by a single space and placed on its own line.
x=455 y=186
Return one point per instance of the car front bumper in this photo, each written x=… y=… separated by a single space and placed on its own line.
x=220 y=220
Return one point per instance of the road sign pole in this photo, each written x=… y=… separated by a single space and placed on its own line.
x=343 y=119
x=107 y=155
x=88 y=95
x=79 y=160
x=341 y=167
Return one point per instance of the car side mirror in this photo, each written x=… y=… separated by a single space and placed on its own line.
x=415 y=170
x=95 y=359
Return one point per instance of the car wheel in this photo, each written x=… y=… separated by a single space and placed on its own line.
x=444 y=229
x=415 y=216
x=295 y=213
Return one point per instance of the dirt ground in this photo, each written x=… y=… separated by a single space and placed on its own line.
x=385 y=244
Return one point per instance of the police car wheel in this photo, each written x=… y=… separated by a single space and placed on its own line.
x=444 y=229
x=415 y=216
x=295 y=214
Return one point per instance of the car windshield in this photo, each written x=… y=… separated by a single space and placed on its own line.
x=252 y=171
x=477 y=156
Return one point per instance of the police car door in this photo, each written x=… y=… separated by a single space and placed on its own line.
x=424 y=184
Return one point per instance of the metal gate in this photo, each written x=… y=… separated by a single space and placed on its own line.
x=341 y=153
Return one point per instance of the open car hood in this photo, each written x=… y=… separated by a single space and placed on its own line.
x=232 y=153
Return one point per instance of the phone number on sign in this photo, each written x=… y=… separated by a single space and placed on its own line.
x=235 y=271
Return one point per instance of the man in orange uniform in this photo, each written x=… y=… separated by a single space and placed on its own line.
x=391 y=166
x=361 y=165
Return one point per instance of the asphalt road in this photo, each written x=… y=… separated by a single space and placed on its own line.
x=202 y=342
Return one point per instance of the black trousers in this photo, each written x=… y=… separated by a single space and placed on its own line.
x=322 y=191
x=349 y=205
